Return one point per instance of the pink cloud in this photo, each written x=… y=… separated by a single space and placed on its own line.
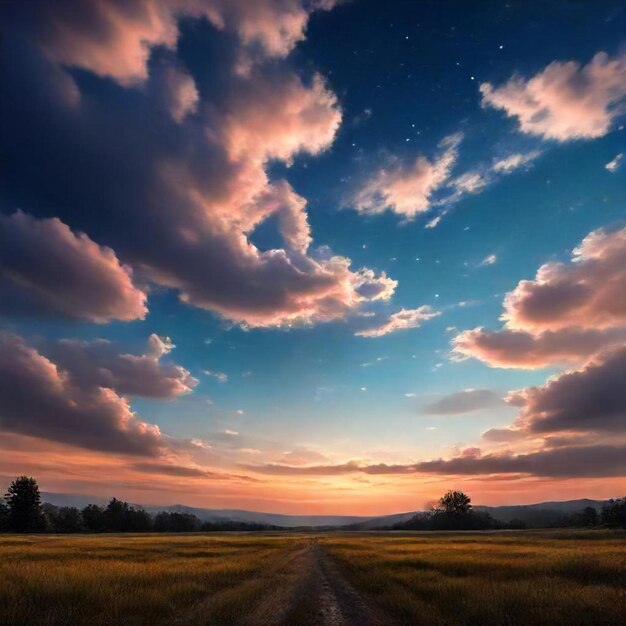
x=195 y=191
x=278 y=117
x=48 y=269
x=524 y=350
x=567 y=313
x=100 y=364
x=115 y=39
x=565 y=100
x=588 y=292
x=401 y=320
x=179 y=92
x=589 y=399
x=408 y=189
x=39 y=399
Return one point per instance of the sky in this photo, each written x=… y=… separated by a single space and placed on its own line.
x=313 y=256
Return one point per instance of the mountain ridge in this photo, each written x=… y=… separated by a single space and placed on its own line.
x=539 y=512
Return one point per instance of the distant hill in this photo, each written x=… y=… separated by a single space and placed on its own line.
x=541 y=514
x=534 y=515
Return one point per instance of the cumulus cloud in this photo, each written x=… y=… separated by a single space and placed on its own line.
x=588 y=292
x=179 y=92
x=520 y=349
x=115 y=39
x=40 y=399
x=589 y=399
x=46 y=269
x=565 y=100
x=567 y=313
x=100 y=364
x=196 y=186
x=408 y=189
x=464 y=401
x=401 y=320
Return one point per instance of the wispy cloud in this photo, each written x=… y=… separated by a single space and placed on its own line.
x=403 y=319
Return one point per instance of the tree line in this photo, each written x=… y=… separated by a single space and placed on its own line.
x=454 y=511
x=23 y=512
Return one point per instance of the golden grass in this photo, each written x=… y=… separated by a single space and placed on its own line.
x=134 y=579
x=416 y=578
x=509 y=578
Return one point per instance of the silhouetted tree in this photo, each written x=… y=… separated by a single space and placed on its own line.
x=116 y=516
x=93 y=518
x=139 y=521
x=24 y=506
x=516 y=524
x=454 y=512
x=4 y=517
x=455 y=503
x=589 y=517
x=68 y=520
x=120 y=517
x=614 y=513
x=175 y=522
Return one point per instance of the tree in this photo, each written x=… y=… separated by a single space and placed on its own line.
x=4 y=516
x=589 y=516
x=175 y=522
x=116 y=516
x=139 y=520
x=614 y=513
x=455 y=503
x=93 y=518
x=68 y=520
x=24 y=504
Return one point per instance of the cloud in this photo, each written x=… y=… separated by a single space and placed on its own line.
x=469 y=182
x=588 y=292
x=174 y=470
x=489 y=260
x=464 y=401
x=46 y=269
x=615 y=164
x=408 y=189
x=196 y=185
x=520 y=349
x=590 y=399
x=100 y=364
x=219 y=376
x=567 y=313
x=40 y=399
x=570 y=462
x=565 y=100
x=401 y=320
x=514 y=161
x=115 y=39
x=180 y=93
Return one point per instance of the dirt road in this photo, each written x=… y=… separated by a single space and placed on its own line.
x=310 y=591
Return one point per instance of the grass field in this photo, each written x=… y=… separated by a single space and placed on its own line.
x=414 y=578
x=501 y=578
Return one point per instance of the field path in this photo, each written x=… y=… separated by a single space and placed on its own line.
x=312 y=592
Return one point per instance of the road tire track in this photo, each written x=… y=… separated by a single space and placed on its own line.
x=311 y=591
